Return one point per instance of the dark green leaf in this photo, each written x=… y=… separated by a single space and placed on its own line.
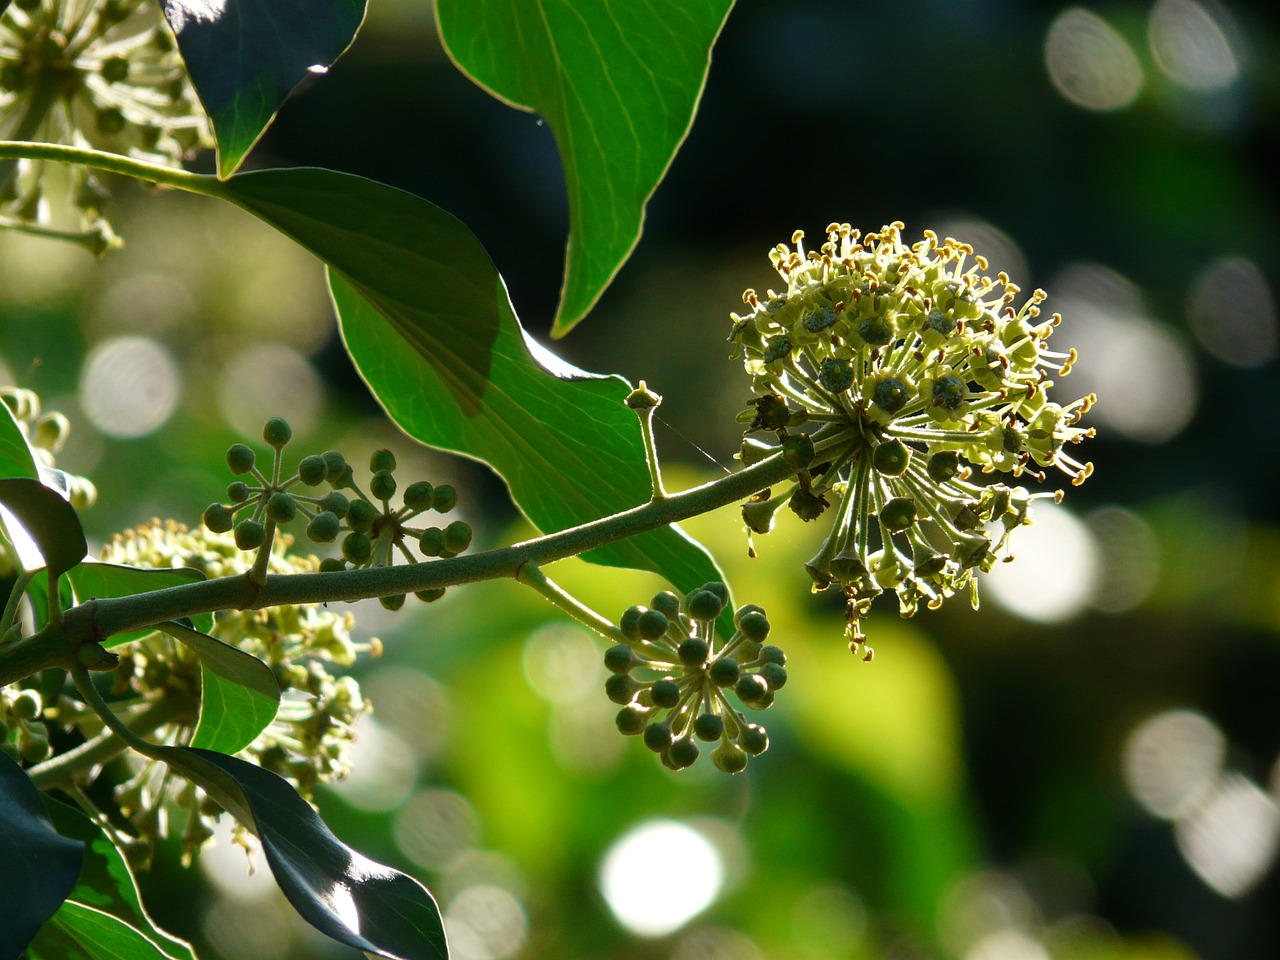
x=15 y=454
x=617 y=82
x=38 y=866
x=339 y=892
x=96 y=580
x=79 y=930
x=239 y=694
x=38 y=594
x=49 y=520
x=106 y=882
x=244 y=56
x=427 y=320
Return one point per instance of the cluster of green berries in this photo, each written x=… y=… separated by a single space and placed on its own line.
x=376 y=530
x=887 y=376
x=89 y=73
x=673 y=678
x=309 y=741
x=23 y=734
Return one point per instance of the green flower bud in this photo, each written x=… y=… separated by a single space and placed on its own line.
x=277 y=432
x=335 y=466
x=281 y=507
x=418 y=496
x=360 y=516
x=753 y=624
x=774 y=675
x=683 y=753
x=630 y=720
x=393 y=602
x=250 y=534
x=694 y=651
x=431 y=542
x=751 y=689
x=703 y=605
x=620 y=658
x=332 y=564
x=943 y=466
x=877 y=331
x=708 y=726
x=357 y=549
x=898 y=514
x=111 y=121
x=382 y=460
x=457 y=536
x=620 y=688
x=51 y=432
x=238 y=491
x=665 y=693
x=218 y=518
x=753 y=739
x=653 y=624
x=729 y=758
x=771 y=654
x=33 y=743
x=836 y=375
x=335 y=503
x=779 y=348
x=890 y=394
x=114 y=69
x=240 y=458
x=430 y=595
x=324 y=527
x=444 y=498
x=657 y=736
x=668 y=603
x=797 y=451
x=382 y=485
x=629 y=622
x=724 y=672
x=891 y=458
x=312 y=470
x=27 y=705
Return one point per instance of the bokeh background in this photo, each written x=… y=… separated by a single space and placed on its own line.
x=1085 y=768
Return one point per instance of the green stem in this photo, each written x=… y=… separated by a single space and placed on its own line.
x=107 y=745
x=84 y=683
x=531 y=575
x=10 y=614
x=110 y=163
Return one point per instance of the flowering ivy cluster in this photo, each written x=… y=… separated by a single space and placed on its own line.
x=90 y=73
x=377 y=531
x=889 y=376
x=308 y=743
x=673 y=677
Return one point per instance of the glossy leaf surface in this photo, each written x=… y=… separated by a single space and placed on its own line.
x=78 y=930
x=344 y=895
x=618 y=82
x=48 y=519
x=38 y=866
x=15 y=455
x=239 y=694
x=244 y=56
x=427 y=320
x=97 y=580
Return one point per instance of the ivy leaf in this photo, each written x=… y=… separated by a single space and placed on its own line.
x=617 y=82
x=341 y=893
x=245 y=56
x=239 y=694
x=426 y=318
x=93 y=580
x=106 y=883
x=15 y=454
x=79 y=930
x=38 y=866
x=48 y=520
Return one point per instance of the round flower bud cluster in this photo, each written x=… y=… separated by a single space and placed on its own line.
x=45 y=434
x=309 y=742
x=375 y=530
x=93 y=73
x=23 y=734
x=887 y=376
x=673 y=678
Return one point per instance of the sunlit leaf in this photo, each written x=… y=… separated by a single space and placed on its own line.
x=239 y=694
x=79 y=930
x=38 y=866
x=344 y=895
x=98 y=580
x=15 y=454
x=244 y=56
x=427 y=320
x=106 y=883
x=48 y=519
x=618 y=83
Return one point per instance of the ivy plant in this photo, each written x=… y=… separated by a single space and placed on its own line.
x=894 y=387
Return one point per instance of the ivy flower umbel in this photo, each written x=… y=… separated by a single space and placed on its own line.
x=672 y=677
x=890 y=375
